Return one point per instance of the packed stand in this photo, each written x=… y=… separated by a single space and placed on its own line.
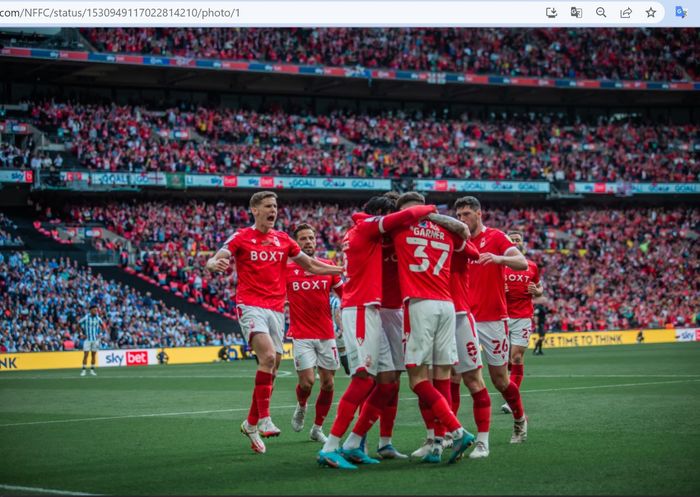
x=7 y=238
x=388 y=145
x=41 y=301
x=603 y=268
x=631 y=54
x=175 y=240
x=611 y=268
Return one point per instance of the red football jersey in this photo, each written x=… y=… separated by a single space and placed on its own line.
x=487 y=294
x=391 y=289
x=261 y=262
x=362 y=249
x=424 y=251
x=517 y=297
x=309 y=303
x=459 y=277
x=363 y=262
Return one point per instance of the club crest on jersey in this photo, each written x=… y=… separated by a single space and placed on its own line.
x=483 y=242
x=276 y=241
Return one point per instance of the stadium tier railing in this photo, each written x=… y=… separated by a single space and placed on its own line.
x=92 y=181
x=344 y=72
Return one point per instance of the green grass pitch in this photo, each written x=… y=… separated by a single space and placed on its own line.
x=608 y=420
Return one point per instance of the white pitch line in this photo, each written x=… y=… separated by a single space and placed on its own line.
x=280 y=374
x=613 y=376
x=287 y=374
x=245 y=409
x=609 y=386
x=42 y=490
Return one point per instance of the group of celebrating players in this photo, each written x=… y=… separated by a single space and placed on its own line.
x=421 y=292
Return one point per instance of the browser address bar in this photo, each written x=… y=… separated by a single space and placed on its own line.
x=349 y=13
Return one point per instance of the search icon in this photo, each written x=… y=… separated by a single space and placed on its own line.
x=601 y=12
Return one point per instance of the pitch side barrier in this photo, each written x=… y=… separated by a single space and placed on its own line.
x=28 y=361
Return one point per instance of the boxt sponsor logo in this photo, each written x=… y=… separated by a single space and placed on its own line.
x=136 y=358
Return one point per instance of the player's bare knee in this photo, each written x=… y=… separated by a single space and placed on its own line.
x=501 y=383
x=517 y=357
x=306 y=384
x=327 y=384
x=267 y=360
x=473 y=381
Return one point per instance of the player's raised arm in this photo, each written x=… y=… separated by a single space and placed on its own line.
x=451 y=224
x=405 y=217
x=317 y=267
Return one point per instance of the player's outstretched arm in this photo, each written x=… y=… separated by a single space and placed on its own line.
x=405 y=218
x=451 y=224
x=220 y=262
x=317 y=267
x=512 y=258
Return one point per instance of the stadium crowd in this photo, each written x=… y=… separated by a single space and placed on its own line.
x=388 y=145
x=7 y=238
x=603 y=268
x=41 y=301
x=633 y=54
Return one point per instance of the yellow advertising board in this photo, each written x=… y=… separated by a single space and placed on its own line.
x=193 y=355
x=27 y=361
x=600 y=338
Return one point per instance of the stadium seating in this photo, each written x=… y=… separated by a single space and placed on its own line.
x=7 y=238
x=635 y=54
x=603 y=268
x=41 y=301
x=389 y=145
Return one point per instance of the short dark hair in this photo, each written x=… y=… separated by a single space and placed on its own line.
x=258 y=198
x=468 y=202
x=379 y=205
x=409 y=197
x=302 y=227
x=392 y=195
x=515 y=232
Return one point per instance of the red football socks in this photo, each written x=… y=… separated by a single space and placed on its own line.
x=323 y=405
x=482 y=410
x=388 y=415
x=427 y=413
x=373 y=407
x=443 y=386
x=512 y=396
x=263 y=392
x=456 y=399
x=302 y=395
x=354 y=396
x=516 y=374
x=427 y=393
x=253 y=412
